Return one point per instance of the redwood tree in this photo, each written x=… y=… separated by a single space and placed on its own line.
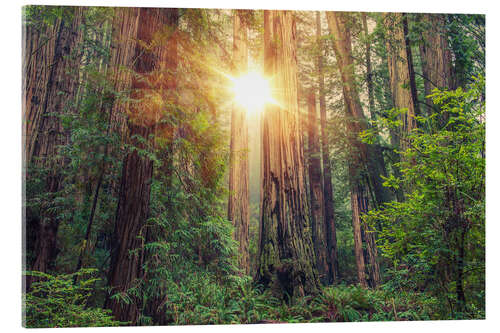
x=400 y=73
x=148 y=91
x=359 y=177
x=435 y=54
x=49 y=88
x=286 y=255
x=239 y=195
x=316 y=191
x=329 y=213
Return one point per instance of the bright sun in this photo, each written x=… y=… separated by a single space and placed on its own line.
x=252 y=91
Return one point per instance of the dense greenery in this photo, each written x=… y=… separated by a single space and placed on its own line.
x=431 y=243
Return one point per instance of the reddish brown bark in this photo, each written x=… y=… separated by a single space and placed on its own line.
x=316 y=191
x=48 y=91
x=286 y=255
x=239 y=195
x=148 y=90
x=124 y=32
x=358 y=207
x=376 y=158
x=399 y=73
x=359 y=178
x=329 y=213
x=435 y=55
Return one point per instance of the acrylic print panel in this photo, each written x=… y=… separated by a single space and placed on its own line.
x=222 y=166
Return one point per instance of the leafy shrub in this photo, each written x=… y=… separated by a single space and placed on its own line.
x=56 y=301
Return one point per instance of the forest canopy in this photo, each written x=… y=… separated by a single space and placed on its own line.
x=209 y=166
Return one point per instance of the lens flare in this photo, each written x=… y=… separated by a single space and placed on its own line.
x=252 y=91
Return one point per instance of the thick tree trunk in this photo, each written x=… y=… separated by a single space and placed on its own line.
x=316 y=191
x=148 y=90
x=239 y=195
x=329 y=213
x=286 y=255
x=48 y=91
x=399 y=74
x=360 y=152
x=124 y=32
x=435 y=54
x=436 y=58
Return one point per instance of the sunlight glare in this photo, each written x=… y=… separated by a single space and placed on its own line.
x=252 y=91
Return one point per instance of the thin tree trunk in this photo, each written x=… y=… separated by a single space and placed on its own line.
x=369 y=74
x=358 y=204
x=316 y=191
x=239 y=195
x=360 y=152
x=377 y=166
x=411 y=69
x=79 y=265
x=286 y=255
x=329 y=213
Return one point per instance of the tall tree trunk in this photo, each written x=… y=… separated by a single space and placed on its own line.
x=239 y=195
x=360 y=152
x=329 y=213
x=435 y=54
x=376 y=157
x=316 y=191
x=148 y=90
x=359 y=203
x=124 y=32
x=411 y=69
x=399 y=74
x=286 y=255
x=48 y=91
x=369 y=74
x=436 y=58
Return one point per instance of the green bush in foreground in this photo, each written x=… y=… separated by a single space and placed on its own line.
x=55 y=301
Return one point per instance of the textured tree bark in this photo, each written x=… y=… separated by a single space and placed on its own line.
x=358 y=207
x=316 y=191
x=359 y=177
x=411 y=69
x=399 y=74
x=239 y=195
x=286 y=255
x=435 y=54
x=369 y=74
x=436 y=58
x=48 y=91
x=329 y=213
x=124 y=32
x=148 y=89
x=376 y=157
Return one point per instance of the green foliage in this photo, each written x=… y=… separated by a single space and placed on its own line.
x=55 y=301
x=435 y=237
x=188 y=256
x=354 y=303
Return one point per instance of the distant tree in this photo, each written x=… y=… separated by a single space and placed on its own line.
x=238 y=203
x=329 y=213
x=358 y=163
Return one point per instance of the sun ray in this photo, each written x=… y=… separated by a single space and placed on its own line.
x=252 y=91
